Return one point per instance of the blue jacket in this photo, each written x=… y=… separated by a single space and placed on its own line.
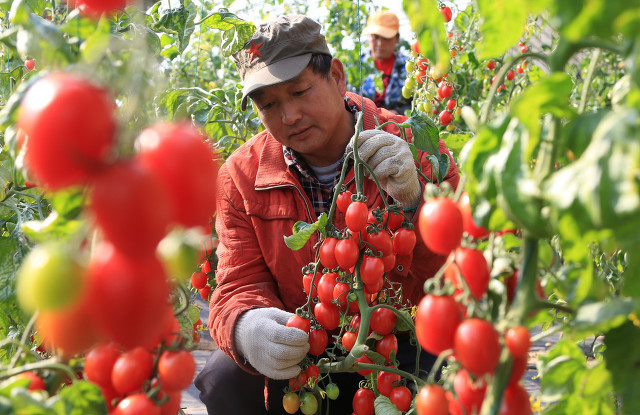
x=393 y=99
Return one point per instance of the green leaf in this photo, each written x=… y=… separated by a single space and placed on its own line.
x=235 y=30
x=177 y=22
x=383 y=406
x=429 y=25
x=79 y=399
x=602 y=316
x=96 y=45
x=455 y=143
x=53 y=227
x=576 y=134
x=622 y=358
x=502 y=25
x=302 y=231
x=426 y=135
x=561 y=370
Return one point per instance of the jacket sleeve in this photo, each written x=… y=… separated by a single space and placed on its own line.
x=244 y=281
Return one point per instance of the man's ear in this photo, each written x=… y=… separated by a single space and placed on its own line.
x=338 y=76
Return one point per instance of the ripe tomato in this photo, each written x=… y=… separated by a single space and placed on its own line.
x=343 y=201
x=299 y=322
x=477 y=346
x=340 y=293
x=308 y=403
x=306 y=284
x=186 y=165
x=371 y=272
x=518 y=341
x=392 y=220
x=472 y=266
x=437 y=319
x=313 y=374
x=35 y=381
x=205 y=292
x=347 y=252
x=451 y=104
x=356 y=216
x=130 y=206
x=172 y=406
x=199 y=279
x=491 y=65
x=386 y=345
x=523 y=49
x=363 y=402
x=386 y=381
x=389 y=261
x=327 y=314
x=415 y=47
x=98 y=364
x=136 y=404
x=401 y=397
x=445 y=117
x=364 y=359
x=519 y=69
x=298 y=382
x=518 y=369
x=127 y=295
x=325 y=287
x=291 y=402
x=515 y=401
x=511 y=75
x=383 y=321
x=349 y=339
x=318 y=340
x=381 y=240
x=131 y=370
x=432 y=400
x=445 y=90
x=70 y=129
x=404 y=240
x=468 y=224
x=327 y=253
x=176 y=369
x=30 y=64
x=446 y=13
x=440 y=225
x=470 y=393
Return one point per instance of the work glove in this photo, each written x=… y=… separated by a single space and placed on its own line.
x=272 y=348
x=392 y=162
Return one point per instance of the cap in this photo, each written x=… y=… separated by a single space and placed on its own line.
x=278 y=51
x=382 y=23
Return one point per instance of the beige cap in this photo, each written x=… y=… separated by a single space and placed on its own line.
x=278 y=51
x=382 y=23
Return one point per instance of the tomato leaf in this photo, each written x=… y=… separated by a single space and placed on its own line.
x=624 y=361
x=383 y=406
x=80 y=398
x=235 y=30
x=96 y=45
x=177 y=22
x=602 y=316
x=426 y=135
x=302 y=231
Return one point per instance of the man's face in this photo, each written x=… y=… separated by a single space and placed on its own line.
x=382 y=47
x=308 y=115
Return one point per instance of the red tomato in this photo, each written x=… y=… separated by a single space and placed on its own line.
x=515 y=401
x=445 y=117
x=199 y=279
x=35 y=381
x=470 y=393
x=313 y=374
x=70 y=129
x=401 y=397
x=446 y=13
x=205 y=266
x=415 y=47
x=511 y=75
x=444 y=90
x=386 y=381
x=299 y=322
x=468 y=224
x=364 y=359
x=422 y=64
x=389 y=262
x=451 y=104
x=518 y=341
x=523 y=49
x=519 y=69
x=392 y=220
x=491 y=65
x=30 y=64
x=135 y=405
x=437 y=319
x=306 y=283
x=205 y=292
x=318 y=340
x=186 y=165
x=356 y=216
x=131 y=370
x=347 y=252
x=127 y=295
x=371 y=272
x=383 y=321
x=386 y=345
x=432 y=400
x=95 y=8
x=404 y=240
x=172 y=406
x=176 y=370
x=343 y=201
x=327 y=253
x=471 y=264
x=440 y=224
x=477 y=346
x=298 y=382
x=98 y=364
x=381 y=240
x=363 y=402
x=327 y=314
x=325 y=287
x=349 y=339
x=340 y=293
x=518 y=369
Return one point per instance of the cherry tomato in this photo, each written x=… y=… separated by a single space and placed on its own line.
x=199 y=279
x=470 y=393
x=364 y=359
x=30 y=64
x=401 y=397
x=176 y=369
x=172 y=405
x=383 y=321
x=343 y=201
x=35 y=381
x=327 y=314
x=306 y=283
x=349 y=339
x=404 y=240
x=382 y=241
x=389 y=261
x=386 y=345
x=325 y=287
x=136 y=404
x=371 y=272
x=518 y=369
x=515 y=401
x=477 y=346
x=327 y=253
x=318 y=340
x=363 y=402
x=291 y=402
x=519 y=69
x=511 y=75
x=437 y=319
x=70 y=329
x=445 y=117
x=99 y=361
x=445 y=90
x=491 y=65
x=205 y=292
x=298 y=382
x=308 y=403
x=440 y=224
x=347 y=252
x=392 y=220
x=472 y=266
x=518 y=341
x=468 y=224
x=340 y=293
x=356 y=216
x=299 y=322
x=415 y=47
x=131 y=370
x=446 y=13
x=332 y=391
x=386 y=381
x=432 y=400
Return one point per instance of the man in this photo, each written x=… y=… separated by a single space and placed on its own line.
x=280 y=176
x=383 y=31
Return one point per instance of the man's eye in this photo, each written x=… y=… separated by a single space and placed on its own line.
x=266 y=106
x=300 y=92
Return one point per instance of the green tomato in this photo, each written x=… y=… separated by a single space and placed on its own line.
x=308 y=403
x=49 y=278
x=410 y=82
x=179 y=254
x=406 y=92
x=410 y=66
x=332 y=391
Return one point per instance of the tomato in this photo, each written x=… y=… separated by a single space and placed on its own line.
x=327 y=253
x=176 y=369
x=446 y=13
x=313 y=374
x=518 y=369
x=477 y=346
x=127 y=295
x=186 y=165
x=470 y=393
x=518 y=341
x=136 y=404
x=344 y=200
x=356 y=216
x=199 y=279
x=298 y=382
x=511 y=75
x=389 y=261
x=70 y=129
x=444 y=90
x=386 y=381
x=49 y=278
x=440 y=225
x=364 y=359
x=511 y=284
x=386 y=345
x=327 y=314
x=308 y=403
x=318 y=340
x=437 y=319
x=349 y=339
x=172 y=405
x=347 y=252
x=130 y=206
x=491 y=65
x=401 y=397
x=404 y=240
x=382 y=241
x=325 y=287
x=204 y=292
x=340 y=292
x=99 y=361
x=332 y=390
x=415 y=47
x=35 y=381
x=432 y=400
x=363 y=402
x=299 y=322
x=445 y=117
x=451 y=104
x=423 y=64
x=519 y=69
x=472 y=265
x=392 y=220
x=30 y=64
x=306 y=284
x=515 y=401
x=523 y=49
x=291 y=402
x=371 y=272
x=383 y=321
x=131 y=370
x=468 y=224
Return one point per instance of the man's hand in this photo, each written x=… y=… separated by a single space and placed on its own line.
x=272 y=348
x=392 y=162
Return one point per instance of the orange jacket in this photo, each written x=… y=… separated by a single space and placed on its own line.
x=259 y=200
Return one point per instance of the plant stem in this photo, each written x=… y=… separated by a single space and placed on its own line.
x=587 y=80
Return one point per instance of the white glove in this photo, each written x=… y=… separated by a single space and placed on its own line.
x=272 y=348
x=392 y=162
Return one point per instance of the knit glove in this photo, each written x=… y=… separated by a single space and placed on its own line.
x=391 y=160
x=272 y=348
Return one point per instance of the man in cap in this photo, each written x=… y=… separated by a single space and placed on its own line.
x=280 y=176
x=383 y=30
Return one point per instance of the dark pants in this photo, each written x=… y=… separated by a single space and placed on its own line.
x=227 y=389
